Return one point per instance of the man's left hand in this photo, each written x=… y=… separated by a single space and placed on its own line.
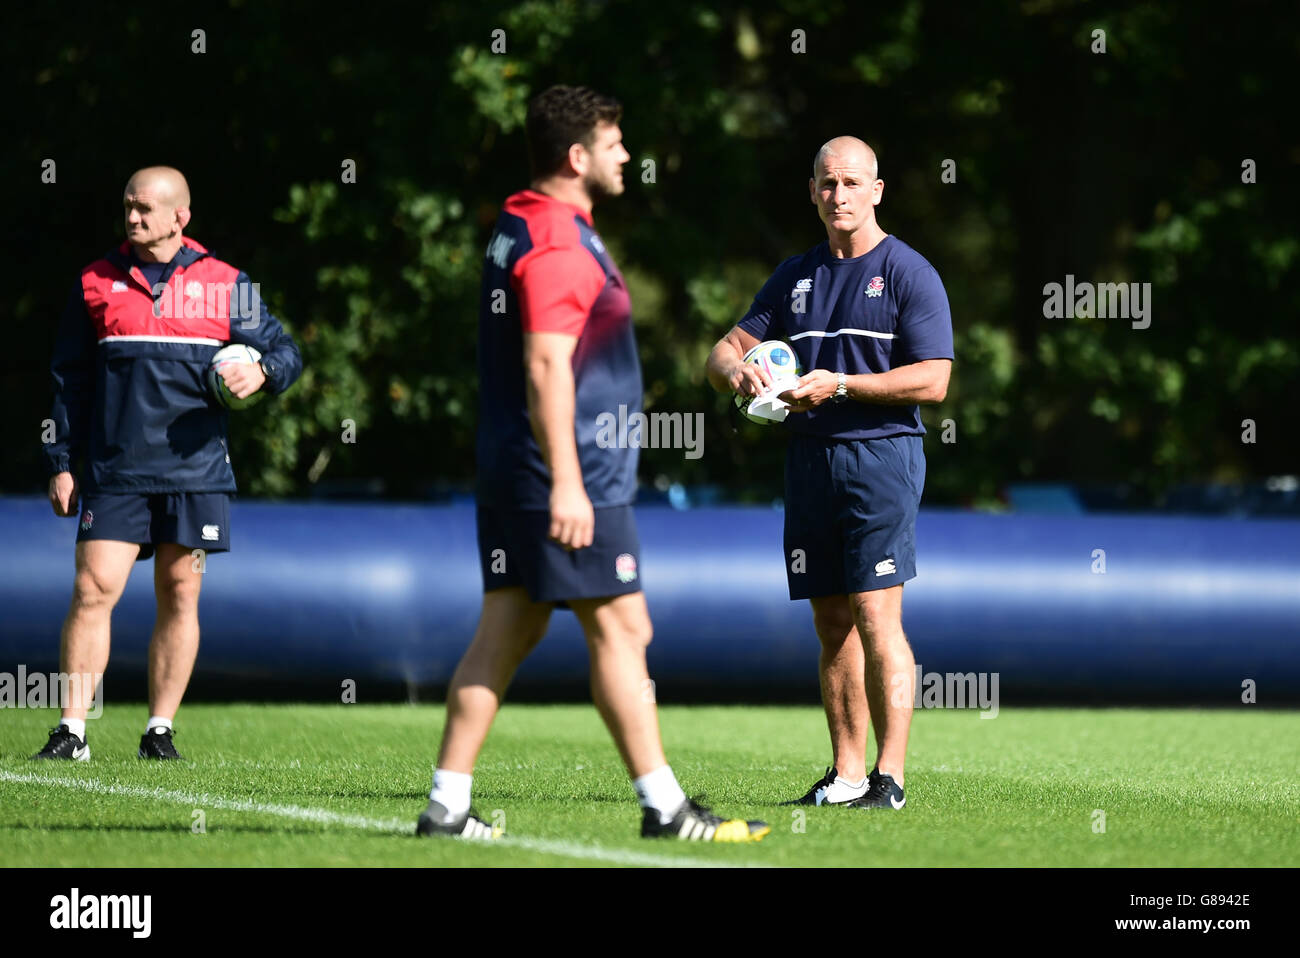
x=244 y=379
x=814 y=389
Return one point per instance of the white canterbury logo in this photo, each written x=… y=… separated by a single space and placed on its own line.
x=211 y=533
x=119 y=286
x=885 y=567
x=846 y=331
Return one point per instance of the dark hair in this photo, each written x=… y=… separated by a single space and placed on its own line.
x=560 y=117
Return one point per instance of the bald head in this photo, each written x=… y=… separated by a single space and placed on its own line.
x=846 y=188
x=845 y=152
x=156 y=202
x=165 y=184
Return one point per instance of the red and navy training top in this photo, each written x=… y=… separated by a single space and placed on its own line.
x=546 y=270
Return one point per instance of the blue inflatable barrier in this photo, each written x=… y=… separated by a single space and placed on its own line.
x=1069 y=606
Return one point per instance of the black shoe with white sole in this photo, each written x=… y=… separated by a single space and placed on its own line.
x=63 y=744
x=157 y=743
x=882 y=792
x=693 y=822
x=434 y=820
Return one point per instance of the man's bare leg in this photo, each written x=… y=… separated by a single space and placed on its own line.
x=509 y=627
x=890 y=674
x=618 y=630
x=103 y=567
x=842 y=671
x=175 y=643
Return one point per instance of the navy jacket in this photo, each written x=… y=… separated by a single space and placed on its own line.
x=132 y=411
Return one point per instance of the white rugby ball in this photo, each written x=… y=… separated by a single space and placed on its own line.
x=225 y=356
x=782 y=366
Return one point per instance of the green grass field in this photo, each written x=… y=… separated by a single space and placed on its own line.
x=311 y=785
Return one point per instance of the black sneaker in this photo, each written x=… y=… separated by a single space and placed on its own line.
x=813 y=798
x=157 y=743
x=882 y=792
x=826 y=792
x=63 y=744
x=693 y=822
x=434 y=821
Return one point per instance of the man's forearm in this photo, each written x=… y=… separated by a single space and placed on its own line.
x=550 y=411
x=721 y=362
x=903 y=386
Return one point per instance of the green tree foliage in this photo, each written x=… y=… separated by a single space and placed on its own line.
x=1123 y=166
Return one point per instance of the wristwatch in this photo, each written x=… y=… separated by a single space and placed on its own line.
x=842 y=389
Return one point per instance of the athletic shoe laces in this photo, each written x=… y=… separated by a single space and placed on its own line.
x=702 y=812
x=879 y=788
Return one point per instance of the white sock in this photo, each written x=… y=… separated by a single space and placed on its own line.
x=451 y=791
x=659 y=790
x=157 y=721
x=76 y=726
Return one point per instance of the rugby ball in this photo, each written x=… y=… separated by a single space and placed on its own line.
x=234 y=353
x=782 y=366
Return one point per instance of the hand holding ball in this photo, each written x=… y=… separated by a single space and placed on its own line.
x=234 y=371
x=778 y=360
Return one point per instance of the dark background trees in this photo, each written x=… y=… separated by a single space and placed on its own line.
x=1122 y=166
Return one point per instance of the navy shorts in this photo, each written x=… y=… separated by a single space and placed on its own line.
x=850 y=513
x=195 y=520
x=514 y=550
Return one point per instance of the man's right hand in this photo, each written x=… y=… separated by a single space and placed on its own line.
x=573 y=520
x=63 y=494
x=748 y=379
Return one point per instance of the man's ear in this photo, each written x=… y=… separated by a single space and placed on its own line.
x=877 y=192
x=812 y=190
x=183 y=216
x=579 y=158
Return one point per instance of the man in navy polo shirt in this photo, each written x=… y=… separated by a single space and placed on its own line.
x=555 y=525
x=869 y=317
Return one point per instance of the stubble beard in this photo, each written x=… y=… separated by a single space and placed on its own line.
x=599 y=189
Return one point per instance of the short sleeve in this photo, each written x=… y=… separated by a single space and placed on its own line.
x=764 y=320
x=924 y=320
x=557 y=287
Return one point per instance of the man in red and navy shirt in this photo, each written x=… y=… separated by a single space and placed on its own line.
x=140 y=444
x=556 y=355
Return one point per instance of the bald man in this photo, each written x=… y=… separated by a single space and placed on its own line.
x=140 y=445
x=868 y=317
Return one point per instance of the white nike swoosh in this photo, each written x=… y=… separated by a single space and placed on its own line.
x=896 y=803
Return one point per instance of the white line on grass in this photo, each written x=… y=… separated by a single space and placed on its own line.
x=323 y=816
